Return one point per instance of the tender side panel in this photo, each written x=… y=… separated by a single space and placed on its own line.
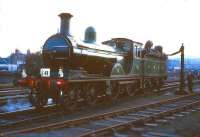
x=154 y=67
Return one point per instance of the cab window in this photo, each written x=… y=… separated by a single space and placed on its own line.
x=137 y=51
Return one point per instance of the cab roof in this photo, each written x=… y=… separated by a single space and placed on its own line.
x=116 y=40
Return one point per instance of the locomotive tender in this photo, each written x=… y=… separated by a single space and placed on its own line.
x=77 y=70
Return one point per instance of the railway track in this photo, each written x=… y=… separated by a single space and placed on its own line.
x=20 y=117
x=159 y=112
x=33 y=109
x=106 y=124
x=9 y=88
x=30 y=115
x=13 y=92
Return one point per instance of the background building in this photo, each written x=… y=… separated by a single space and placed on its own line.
x=14 y=62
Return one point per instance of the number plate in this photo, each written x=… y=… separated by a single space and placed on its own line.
x=45 y=72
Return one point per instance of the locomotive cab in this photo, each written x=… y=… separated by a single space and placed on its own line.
x=130 y=50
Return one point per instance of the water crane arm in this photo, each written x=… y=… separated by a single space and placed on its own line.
x=177 y=52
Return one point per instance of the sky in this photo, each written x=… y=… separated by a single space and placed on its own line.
x=26 y=24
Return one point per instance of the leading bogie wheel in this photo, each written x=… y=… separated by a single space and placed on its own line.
x=60 y=97
x=37 y=98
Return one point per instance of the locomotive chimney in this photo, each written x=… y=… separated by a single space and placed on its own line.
x=65 y=23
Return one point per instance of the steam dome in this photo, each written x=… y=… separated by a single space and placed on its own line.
x=90 y=35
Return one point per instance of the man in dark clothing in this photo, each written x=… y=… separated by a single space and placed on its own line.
x=190 y=82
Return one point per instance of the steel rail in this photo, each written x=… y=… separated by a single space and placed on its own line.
x=10 y=88
x=13 y=92
x=27 y=111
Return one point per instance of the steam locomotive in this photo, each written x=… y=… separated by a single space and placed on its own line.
x=75 y=70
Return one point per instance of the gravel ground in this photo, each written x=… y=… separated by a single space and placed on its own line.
x=186 y=126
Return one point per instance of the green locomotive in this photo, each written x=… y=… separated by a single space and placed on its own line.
x=75 y=71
